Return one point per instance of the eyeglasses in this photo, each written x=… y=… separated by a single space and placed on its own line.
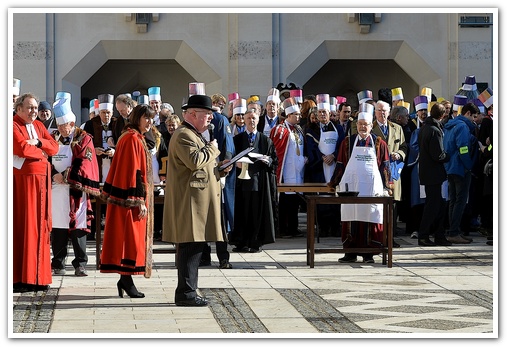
x=240 y=115
x=208 y=113
x=361 y=124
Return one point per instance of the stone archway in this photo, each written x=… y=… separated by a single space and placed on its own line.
x=114 y=66
x=347 y=67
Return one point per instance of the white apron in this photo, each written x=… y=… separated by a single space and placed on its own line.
x=293 y=164
x=362 y=175
x=60 y=194
x=106 y=161
x=155 y=165
x=327 y=145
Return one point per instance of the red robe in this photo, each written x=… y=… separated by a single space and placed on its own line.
x=280 y=137
x=32 y=206
x=128 y=240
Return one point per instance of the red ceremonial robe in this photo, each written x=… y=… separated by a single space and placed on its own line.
x=32 y=206
x=128 y=240
x=280 y=137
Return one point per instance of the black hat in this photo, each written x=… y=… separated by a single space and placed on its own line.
x=385 y=94
x=198 y=101
x=44 y=105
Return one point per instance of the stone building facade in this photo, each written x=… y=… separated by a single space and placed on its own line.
x=334 y=52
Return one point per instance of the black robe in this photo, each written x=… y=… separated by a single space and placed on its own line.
x=255 y=202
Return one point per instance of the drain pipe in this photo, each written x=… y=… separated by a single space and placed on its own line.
x=50 y=57
x=275 y=54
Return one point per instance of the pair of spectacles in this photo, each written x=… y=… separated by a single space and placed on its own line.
x=208 y=113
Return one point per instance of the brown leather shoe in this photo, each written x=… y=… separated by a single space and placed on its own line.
x=458 y=239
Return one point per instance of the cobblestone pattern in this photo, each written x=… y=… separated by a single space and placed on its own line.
x=232 y=313
x=318 y=312
x=33 y=311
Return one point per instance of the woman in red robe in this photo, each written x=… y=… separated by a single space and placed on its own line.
x=32 y=198
x=128 y=189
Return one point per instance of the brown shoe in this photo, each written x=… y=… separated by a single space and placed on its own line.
x=458 y=239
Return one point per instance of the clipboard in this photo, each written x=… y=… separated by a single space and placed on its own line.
x=235 y=158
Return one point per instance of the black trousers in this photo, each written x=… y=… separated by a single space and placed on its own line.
x=288 y=211
x=59 y=240
x=222 y=252
x=188 y=257
x=433 y=216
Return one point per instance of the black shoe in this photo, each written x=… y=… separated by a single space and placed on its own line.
x=40 y=287
x=127 y=284
x=348 y=259
x=368 y=259
x=299 y=233
x=157 y=235
x=442 y=242
x=197 y=301
x=22 y=288
x=254 y=250
x=224 y=264
x=426 y=243
x=239 y=249
x=396 y=244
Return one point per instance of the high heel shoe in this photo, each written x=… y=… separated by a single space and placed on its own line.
x=132 y=291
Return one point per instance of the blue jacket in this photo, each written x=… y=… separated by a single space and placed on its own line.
x=461 y=145
x=223 y=135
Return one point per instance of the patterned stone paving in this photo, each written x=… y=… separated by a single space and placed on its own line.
x=327 y=310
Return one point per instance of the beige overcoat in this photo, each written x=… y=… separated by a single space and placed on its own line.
x=193 y=192
x=396 y=143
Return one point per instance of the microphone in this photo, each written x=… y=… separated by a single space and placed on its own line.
x=211 y=130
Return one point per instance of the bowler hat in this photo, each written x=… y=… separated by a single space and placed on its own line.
x=198 y=101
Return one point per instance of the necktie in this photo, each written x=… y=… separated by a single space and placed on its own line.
x=325 y=128
x=251 y=139
x=105 y=126
x=384 y=129
x=362 y=143
x=271 y=122
x=296 y=138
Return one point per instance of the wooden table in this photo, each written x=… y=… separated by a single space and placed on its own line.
x=386 y=248
x=304 y=188
x=98 y=228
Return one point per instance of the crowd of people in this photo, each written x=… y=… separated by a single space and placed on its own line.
x=218 y=166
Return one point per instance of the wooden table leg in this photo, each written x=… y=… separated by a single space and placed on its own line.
x=310 y=241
